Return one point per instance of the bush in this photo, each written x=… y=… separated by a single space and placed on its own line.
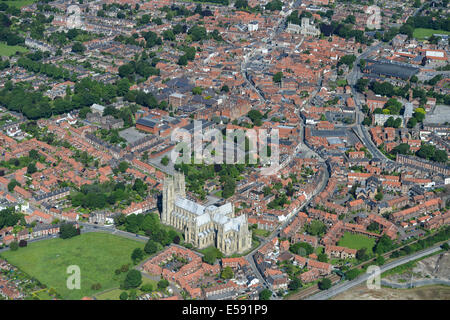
x=23 y=243
x=124 y=295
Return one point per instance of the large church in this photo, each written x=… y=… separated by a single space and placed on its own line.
x=204 y=226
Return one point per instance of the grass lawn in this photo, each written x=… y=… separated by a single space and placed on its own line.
x=356 y=241
x=43 y=295
x=261 y=232
x=114 y=294
x=97 y=254
x=19 y=3
x=6 y=51
x=422 y=33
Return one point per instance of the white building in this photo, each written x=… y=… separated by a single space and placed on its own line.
x=253 y=26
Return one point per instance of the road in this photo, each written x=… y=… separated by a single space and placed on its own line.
x=363 y=278
x=359 y=129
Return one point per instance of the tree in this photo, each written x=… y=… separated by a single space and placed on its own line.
x=383 y=245
x=348 y=60
x=148 y=287
x=445 y=246
x=295 y=284
x=325 y=284
x=12 y=184
x=239 y=4
x=277 y=77
x=379 y=196
x=379 y=261
x=352 y=274
x=14 y=246
x=265 y=294
x=316 y=227
x=411 y=123
x=137 y=255
x=123 y=295
x=133 y=279
x=31 y=168
x=151 y=247
x=301 y=248
x=197 y=90
x=440 y=156
x=362 y=255
x=402 y=148
x=165 y=161
x=23 y=243
x=123 y=166
x=68 y=230
x=227 y=273
x=209 y=257
x=163 y=284
x=182 y=60
x=322 y=257
x=78 y=47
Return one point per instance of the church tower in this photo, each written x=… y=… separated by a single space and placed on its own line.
x=168 y=200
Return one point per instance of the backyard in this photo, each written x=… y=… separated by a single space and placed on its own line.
x=97 y=254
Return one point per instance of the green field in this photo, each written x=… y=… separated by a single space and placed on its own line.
x=97 y=254
x=422 y=33
x=114 y=294
x=18 y=3
x=6 y=51
x=356 y=241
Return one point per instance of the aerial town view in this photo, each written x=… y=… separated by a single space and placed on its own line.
x=224 y=150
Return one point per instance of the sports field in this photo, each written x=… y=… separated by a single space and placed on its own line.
x=97 y=254
x=356 y=241
x=422 y=33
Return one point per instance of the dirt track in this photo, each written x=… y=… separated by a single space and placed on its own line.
x=423 y=293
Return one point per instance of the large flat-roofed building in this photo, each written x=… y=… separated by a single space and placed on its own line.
x=148 y=124
x=390 y=70
x=204 y=226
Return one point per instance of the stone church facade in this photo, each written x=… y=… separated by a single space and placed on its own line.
x=204 y=226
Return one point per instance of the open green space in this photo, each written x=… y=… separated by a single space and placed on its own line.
x=114 y=294
x=18 y=3
x=97 y=254
x=356 y=241
x=422 y=33
x=261 y=232
x=7 y=51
